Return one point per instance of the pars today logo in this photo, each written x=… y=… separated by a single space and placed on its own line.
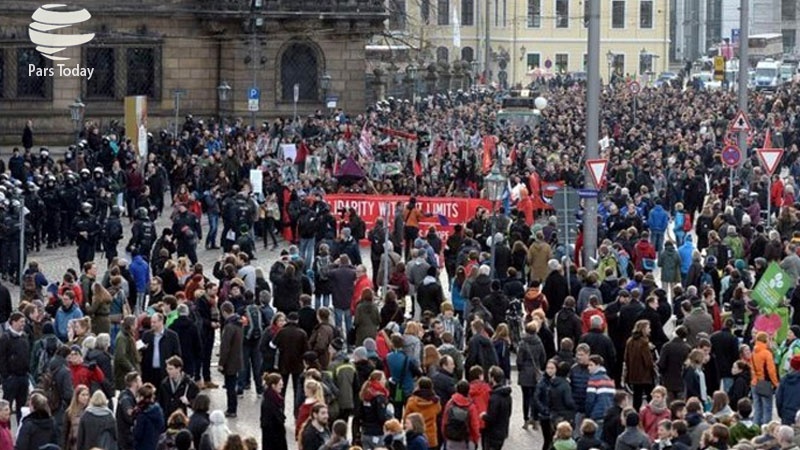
x=46 y=20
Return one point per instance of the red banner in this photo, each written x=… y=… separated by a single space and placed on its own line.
x=442 y=212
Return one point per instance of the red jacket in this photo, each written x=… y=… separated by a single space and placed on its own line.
x=474 y=416
x=82 y=374
x=362 y=283
x=586 y=319
x=479 y=392
x=649 y=420
x=76 y=289
x=643 y=249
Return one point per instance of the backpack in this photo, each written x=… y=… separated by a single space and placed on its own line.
x=254 y=327
x=457 y=428
x=46 y=350
x=50 y=389
x=687 y=222
x=323 y=267
x=306 y=226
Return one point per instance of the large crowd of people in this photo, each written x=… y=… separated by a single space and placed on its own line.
x=422 y=346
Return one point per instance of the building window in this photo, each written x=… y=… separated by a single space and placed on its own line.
x=562 y=13
x=103 y=82
x=789 y=40
x=618 y=65
x=646 y=14
x=468 y=13
x=788 y=11
x=443 y=12
x=534 y=13
x=645 y=63
x=586 y=13
x=562 y=62
x=397 y=15
x=299 y=66
x=442 y=55
x=31 y=86
x=534 y=60
x=467 y=54
x=141 y=72
x=618 y=14
x=425 y=11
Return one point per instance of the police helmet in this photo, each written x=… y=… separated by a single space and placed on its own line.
x=86 y=206
x=15 y=204
x=84 y=171
x=116 y=211
x=141 y=213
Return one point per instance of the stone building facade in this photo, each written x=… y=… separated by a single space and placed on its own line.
x=155 y=47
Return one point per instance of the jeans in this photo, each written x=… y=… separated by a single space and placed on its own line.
x=657 y=239
x=321 y=300
x=726 y=383
x=762 y=408
x=213 y=226
x=230 y=392
x=252 y=364
x=348 y=320
x=528 y=405
x=307 y=251
x=15 y=391
x=679 y=236
x=140 y=305
x=114 y=332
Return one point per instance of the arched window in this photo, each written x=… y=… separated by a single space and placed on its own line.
x=442 y=54
x=467 y=54
x=299 y=66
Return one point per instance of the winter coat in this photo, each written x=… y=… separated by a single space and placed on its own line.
x=38 y=429
x=632 y=439
x=444 y=385
x=787 y=398
x=291 y=342
x=555 y=289
x=670 y=364
x=416 y=441
x=480 y=352
x=579 y=382
x=427 y=404
x=148 y=427
x=320 y=341
x=342 y=279
x=530 y=360
x=698 y=321
x=740 y=388
x=539 y=254
x=189 y=337
x=170 y=400
x=63 y=317
x=649 y=419
x=231 y=360
x=600 y=344
x=541 y=397
x=198 y=424
x=97 y=428
x=763 y=364
x=430 y=295
x=474 y=420
x=498 y=414
x=367 y=321
x=273 y=419
x=670 y=263
x=639 y=361
x=725 y=348
x=562 y=404
x=126 y=358
x=568 y=325
x=600 y=393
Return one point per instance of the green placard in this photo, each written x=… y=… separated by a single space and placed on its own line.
x=772 y=287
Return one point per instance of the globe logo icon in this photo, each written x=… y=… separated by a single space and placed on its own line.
x=52 y=17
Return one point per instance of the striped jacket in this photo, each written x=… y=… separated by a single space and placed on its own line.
x=599 y=394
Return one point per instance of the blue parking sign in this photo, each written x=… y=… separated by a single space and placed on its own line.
x=253 y=94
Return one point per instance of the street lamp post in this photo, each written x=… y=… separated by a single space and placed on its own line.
x=223 y=94
x=76 y=111
x=610 y=60
x=495 y=187
x=475 y=66
x=411 y=81
x=325 y=83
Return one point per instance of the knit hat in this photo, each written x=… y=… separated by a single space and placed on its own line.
x=794 y=363
x=632 y=419
x=553 y=265
x=392 y=327
x=370 y=345
x=360 y=354
x=310 y=357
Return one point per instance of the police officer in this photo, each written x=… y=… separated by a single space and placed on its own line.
x=52 y=211
x=70 y=197
x=86 y=230
x=36 y=210
x=143 y=235
x=10 y=230
x=186 y=229
x=112 y=233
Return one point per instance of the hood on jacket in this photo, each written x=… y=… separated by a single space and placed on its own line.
x=503 y=391
x=426 y=396
x=99 y=411
x=460 y=400
x=234 y=319
x=40 y=420
x=791 y=381
x=428 y=280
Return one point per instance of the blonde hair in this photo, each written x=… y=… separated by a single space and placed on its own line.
x=563 y=430
x=314 y=390
x=98 y=399
x=413 y=328
x=74 y=409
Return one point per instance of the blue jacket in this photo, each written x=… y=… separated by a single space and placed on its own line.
x=787 y=399
x=542 y=397
x=456 y=298
x=599 y=394
x=686 y=251
x=141 y=273
x=399 y=371
x=579 y=382
x=415 y=441
x=658 y=220
x=148 y=427
x=62 y=320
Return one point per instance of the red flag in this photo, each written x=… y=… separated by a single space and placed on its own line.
x=348 y=134
x=513 y=155
x=417 y=168
x=489 y=145
x=768 y=139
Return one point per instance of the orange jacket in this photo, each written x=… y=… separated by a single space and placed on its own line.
x=762 y=357
x=430 y=408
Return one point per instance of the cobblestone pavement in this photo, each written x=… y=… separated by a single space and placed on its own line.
x=55 y=262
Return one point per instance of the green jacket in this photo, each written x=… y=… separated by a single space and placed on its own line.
x=126 y=358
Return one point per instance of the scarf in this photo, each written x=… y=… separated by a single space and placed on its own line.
x=658 y=408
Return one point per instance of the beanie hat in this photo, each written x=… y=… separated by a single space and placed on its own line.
x=370 y=345
x=360 y=354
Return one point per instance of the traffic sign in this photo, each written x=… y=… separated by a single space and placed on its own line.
x=588 y=193
x=253 y=93
x=770 y=158
x=719 y=68
x=634 y=87
x=252 y=105
x=740 y=122
x=731 y=155
x=331 y=101
x=597 y=168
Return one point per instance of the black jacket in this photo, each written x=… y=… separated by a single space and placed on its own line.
x=657 y=335
x=125 y=419
x=556 y=290
x=480 y=352
x=670 y=364
x=38 y=429
x=5 y=304
x=169 y=346
x=198 y=424
x=568 y=325
x=189 y=337
x=287 y=294
x=272 y=420
x=740 y=388
x=497 y=304
x=600 y=344
x=444 y=385
x=612 y=425
x=725 y=347
x=97 y=428
x=498 y=414
x=170 y=400
x=562 y=404
x=15 y=354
